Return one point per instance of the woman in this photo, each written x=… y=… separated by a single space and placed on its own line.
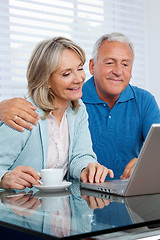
x=61 y=139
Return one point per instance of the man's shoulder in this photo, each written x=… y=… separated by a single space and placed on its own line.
x=143 y=97
x=140 y=92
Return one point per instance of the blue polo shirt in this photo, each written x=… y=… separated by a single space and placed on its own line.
x=118 y=134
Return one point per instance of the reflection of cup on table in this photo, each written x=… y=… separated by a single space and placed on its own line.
x=52 y=201
x=52 y=176
x=53 y=204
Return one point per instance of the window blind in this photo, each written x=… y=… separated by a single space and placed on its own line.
x=24 y=23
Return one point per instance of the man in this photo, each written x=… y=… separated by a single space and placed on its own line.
x=120 y=115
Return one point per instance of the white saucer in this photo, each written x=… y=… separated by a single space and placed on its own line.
x=54 y=188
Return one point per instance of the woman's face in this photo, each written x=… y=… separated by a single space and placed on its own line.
x=66 y=83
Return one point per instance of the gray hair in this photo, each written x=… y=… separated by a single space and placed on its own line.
x=44 y=61
x=111 y=37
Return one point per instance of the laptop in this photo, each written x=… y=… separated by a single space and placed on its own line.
x=145 y=177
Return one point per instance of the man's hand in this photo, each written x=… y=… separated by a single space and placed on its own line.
x=129 y=168
x=20 y=178
x=95 y=172
x=18 y=113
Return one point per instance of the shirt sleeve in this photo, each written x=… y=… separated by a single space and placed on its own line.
x=151 y=112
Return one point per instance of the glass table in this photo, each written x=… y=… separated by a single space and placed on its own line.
x=74 y=213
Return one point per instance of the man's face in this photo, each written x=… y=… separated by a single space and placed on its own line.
x=113 y=69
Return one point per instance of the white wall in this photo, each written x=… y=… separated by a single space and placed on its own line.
x=152 y=40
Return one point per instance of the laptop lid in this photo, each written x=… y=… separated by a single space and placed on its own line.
x=145 y=176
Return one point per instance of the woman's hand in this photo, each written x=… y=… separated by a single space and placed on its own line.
x=20 y=178
x=95 y=172
x=18 y=113
x=23 y=204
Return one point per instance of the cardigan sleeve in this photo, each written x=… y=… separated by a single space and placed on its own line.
x=81 y=147
x=12 y=143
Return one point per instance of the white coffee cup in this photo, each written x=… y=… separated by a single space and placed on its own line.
x=52 y=176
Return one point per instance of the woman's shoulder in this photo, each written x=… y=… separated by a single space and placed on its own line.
x=38 y=110
x=82 y=108
x=81 y=103
x=80 y=113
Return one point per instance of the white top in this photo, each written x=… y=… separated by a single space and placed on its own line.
x=58 y=147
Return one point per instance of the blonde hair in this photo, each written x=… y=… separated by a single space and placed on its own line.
x=44 y=61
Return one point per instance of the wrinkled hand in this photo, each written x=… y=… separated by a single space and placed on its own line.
x=20 y=178
x=23 y=204
x=129 y=168
x=95 y=172
x=17 y=112
x=94 y=202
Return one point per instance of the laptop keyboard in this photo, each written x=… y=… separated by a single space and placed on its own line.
x=114 y=186
x=118 y=182
x=117 y=186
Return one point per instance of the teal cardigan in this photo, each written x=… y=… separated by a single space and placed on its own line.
x=30 y=148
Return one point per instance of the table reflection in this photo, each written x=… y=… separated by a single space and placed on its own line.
x=58 y=214
x=122 y=211
x=75 y=211
x=109 y=210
